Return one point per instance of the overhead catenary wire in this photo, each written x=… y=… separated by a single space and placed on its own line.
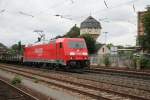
x=62 y=16
x=72 y=1
x=113 y=7
x=108 y=8
x=71 y=17
x=3 y=10
x=23 y=13
x=105 y=4
x=116 y=6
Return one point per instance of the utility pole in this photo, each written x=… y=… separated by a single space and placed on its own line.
x=105 y=36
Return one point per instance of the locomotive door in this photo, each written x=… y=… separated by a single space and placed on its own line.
x=59 y=49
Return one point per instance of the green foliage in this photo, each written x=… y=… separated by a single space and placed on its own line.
x=35 y=80
x=142 y=40
x=107 y=61
x=16 y=48
x=90 y=42
x=3 y=46
x=98 y=46
x=146 y=21
x=145 y=62
x=109 y=45
x=73 y=32
x=58 y=36
x=120 y=47
x=19 y=46
x=16 y=80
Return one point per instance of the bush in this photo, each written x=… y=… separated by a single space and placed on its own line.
x=106 y=61
x=16 y=80
x=35 y=80
x=145 y=62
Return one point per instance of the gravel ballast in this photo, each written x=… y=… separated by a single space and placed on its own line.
x=50 y=93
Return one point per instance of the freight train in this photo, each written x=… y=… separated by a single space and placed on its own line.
x=68 y=53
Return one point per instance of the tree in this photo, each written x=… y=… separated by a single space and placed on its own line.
x=20 y=47
x=110 y=45
x=90 y=42
x=17 y=48
x=3 y=46
x=144 y=41
x=14 y=47
x=98 y=46
x=58 y=36
x=73 y=32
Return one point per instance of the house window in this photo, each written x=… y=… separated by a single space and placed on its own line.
x=103 y=50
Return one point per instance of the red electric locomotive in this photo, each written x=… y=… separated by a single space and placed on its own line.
x=61 y=52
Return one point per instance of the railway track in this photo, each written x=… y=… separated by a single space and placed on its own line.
x=125 y=73
x=55 y=82
x=9 y=92
x=91 y=91
x=85 y=78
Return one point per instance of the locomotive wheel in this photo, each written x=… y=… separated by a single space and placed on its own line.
x=49 y=66
x=56 y=66
x=44 y=65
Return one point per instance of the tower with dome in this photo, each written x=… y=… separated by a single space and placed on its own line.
x=91 y=26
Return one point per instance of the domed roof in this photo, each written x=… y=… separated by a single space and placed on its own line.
x=90 y=22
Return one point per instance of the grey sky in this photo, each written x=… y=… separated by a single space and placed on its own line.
x=17 y=21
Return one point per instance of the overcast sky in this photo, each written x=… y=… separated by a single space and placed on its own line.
x=19 y=18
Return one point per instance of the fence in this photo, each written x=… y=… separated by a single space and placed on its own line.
x=114 y=60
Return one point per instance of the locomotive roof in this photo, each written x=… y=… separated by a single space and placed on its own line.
x=37 y=43
x=53 y=40
x=62 y=39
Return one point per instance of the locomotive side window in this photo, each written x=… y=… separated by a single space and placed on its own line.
x=53 y=42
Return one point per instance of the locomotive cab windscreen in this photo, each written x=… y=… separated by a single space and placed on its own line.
x=77 y=47
x=77 y=44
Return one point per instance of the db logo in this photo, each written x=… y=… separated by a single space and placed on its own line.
x=39 y=51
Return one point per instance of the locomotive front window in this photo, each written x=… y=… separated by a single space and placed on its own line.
x=76 y=44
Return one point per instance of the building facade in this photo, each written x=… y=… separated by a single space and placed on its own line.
x=140 y=23
x=140 y=27
x=104 y=50
x=91 y=26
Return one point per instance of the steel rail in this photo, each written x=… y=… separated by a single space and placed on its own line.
x=145 y=76
x=23 y=94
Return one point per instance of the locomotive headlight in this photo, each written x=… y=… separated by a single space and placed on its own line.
x=84 y=53
x=72 y=53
